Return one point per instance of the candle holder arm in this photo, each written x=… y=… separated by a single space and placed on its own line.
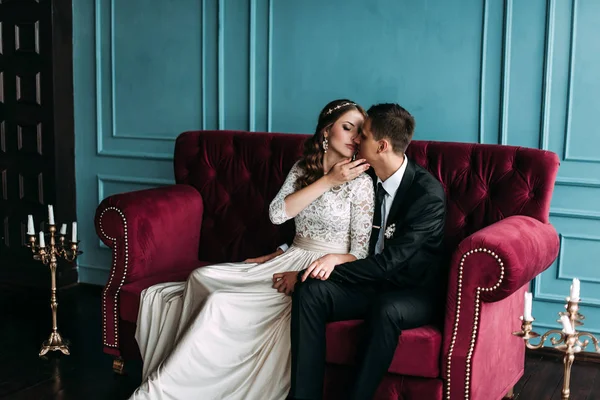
x=586 y=342
x=556 y=340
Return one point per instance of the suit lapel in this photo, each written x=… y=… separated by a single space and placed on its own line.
x=407 y=180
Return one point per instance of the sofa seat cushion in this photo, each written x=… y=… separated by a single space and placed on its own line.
x=130 y=293
x=417 y=354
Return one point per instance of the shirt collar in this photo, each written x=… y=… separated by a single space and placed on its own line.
x=392 y=183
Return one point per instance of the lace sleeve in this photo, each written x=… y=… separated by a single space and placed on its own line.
x=277 y=212
x=361 y=218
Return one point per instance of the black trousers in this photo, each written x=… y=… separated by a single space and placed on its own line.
x=386 y=311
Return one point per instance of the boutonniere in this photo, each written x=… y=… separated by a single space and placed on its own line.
x=389 y=232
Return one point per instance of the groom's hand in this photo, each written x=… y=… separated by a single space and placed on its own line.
x=345 y=171
x=285 y=282
x=263 y=259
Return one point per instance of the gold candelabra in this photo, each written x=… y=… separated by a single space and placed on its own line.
x=49 y=255
x=567 y=340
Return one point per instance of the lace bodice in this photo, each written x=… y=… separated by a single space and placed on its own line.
x=343 y=215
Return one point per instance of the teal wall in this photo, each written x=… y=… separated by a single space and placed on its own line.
x=509 y=72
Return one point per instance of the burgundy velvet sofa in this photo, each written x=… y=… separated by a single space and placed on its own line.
x=498 y=236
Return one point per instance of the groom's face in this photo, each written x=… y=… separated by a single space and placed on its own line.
x=367 y=145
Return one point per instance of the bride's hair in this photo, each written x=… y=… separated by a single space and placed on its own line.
x=312 y=159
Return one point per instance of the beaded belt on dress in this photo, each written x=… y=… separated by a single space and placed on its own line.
x=320 y=246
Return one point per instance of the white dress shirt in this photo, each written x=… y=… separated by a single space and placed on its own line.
x=391 y=186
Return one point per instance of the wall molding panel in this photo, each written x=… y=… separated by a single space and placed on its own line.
x=506 y=67
x=572 y=56
x=252 y=67
x=111 y=141
x=573 y=213
x=560 y=265
x=547 y=84
x=221 y=64
x=482 y=86
x=581 y=182
x=572 y=50
x=493 y=43
x=270 y=66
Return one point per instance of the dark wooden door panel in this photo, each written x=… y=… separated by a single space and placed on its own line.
x=28 y=151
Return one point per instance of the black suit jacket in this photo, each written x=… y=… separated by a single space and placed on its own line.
x=414 y=254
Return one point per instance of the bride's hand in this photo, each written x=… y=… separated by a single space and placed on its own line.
x=345 y=171
x=264 y=259
x=321 y=268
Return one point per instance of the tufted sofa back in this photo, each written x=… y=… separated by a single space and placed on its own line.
x=239 y=173
x=485 y=183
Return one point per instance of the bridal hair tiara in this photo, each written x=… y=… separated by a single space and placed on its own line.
x=339 y=106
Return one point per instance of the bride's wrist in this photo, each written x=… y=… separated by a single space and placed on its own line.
x=326 y=179
x=329 y=181
x=337 y=259
x=344 y=258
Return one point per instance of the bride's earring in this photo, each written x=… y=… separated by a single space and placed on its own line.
x=325 y=145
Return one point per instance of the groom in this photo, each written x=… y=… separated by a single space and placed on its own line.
x=399 y=286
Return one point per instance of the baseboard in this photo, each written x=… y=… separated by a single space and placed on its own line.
x=585 y=357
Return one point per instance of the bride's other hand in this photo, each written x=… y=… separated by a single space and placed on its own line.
x=263 y=259
x=321 y=268
x=285 y=282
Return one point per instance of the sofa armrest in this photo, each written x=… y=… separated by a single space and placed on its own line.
x=150 y=232
x=154 y=229
x=514 y=251
x=488 y=266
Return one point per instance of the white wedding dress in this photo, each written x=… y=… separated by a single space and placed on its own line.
x=225 y=333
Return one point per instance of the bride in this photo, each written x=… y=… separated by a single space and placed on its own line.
x=225 y=333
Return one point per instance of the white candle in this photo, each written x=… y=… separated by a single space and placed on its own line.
x=527 y=311
x=575 y=287
x=74 y=232
x=42 y=241
x=30 y=225
x=50 y=215
x=566 y=323
x=63 y=229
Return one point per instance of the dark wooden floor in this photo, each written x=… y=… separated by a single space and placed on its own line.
x=86 y=374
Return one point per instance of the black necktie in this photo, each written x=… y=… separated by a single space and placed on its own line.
x=378 y=203
x=379 y=195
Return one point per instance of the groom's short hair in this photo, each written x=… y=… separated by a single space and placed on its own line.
x=391 y=121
